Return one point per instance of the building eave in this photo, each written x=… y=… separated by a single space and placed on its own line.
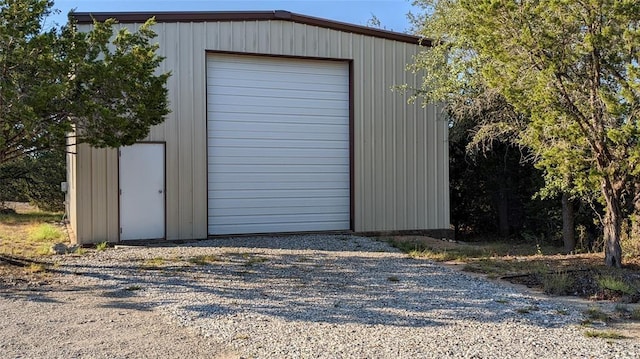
x=217 y=16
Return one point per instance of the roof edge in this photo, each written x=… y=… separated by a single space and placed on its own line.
x=215 y=16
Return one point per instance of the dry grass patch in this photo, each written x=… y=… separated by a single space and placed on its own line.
x=30 y=233
x=536 y=266
x=204 y=259
x=604 y=334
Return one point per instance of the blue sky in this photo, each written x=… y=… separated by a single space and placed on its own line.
x=391 y=13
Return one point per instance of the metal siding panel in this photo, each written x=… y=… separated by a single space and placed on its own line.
x=238 y=38
x=390 y=120
x=111 y=192
x=96 y=196
x=299 y=33
x=251 y=36
x=98 y=181
x=275 y=36
x=225 y=36
x=72 y=194
x=427 y=150
x=171 y=128
x=186 y=121
x=263 y=37
x=157 y=133
x=311 y=46
x=198 y=222
x=84 y=195
x=360 y=176
x=382 y=97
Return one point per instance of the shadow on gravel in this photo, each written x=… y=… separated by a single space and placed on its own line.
x=121 y=298
x=320 y=286
x=28 y=295
x=340 y=242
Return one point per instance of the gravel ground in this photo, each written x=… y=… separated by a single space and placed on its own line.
x=313 y=296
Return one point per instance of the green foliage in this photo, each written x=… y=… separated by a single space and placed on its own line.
x=594 y=313
x=492 y=190
x=115 y=94
x=570 y=69
x=204 y=259
x=45 y=232
x=102 y=246
x=558 y=283
x=616 y=285
x=101 y=85
x=604 y=334
x=35 y=178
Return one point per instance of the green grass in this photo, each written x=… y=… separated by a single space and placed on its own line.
x=30 y=234
x=526 y=310
x=604 y=334
x=534 y=265
x=30 y=217
x=626 y=313
x=635 y=314
x=153 y=263
x=558 y=283
x=44 y=250
x=102 y=246
x=79 y=251
x=616 y=285
x=594 y=313
x=441 y=255
x=252 y=260
x=45 y=232
x=36 y=268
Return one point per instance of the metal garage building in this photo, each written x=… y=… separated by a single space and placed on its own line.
x=280 y=123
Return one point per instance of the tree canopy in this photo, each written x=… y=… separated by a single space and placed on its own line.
x=100 y=85
x=571 y=69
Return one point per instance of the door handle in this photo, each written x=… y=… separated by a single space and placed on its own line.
x=159 y=191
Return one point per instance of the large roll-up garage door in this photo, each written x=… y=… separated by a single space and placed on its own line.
x=278 y=144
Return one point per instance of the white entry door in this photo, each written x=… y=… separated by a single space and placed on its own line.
x=142 y=204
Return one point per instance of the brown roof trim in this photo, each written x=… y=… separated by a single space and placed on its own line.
x=163 y=16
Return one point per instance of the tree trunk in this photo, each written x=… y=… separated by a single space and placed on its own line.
x=612 y=227
x=635 y=218
x=568 y=228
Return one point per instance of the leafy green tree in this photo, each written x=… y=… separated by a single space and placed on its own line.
x=36 y=179
x=571 y=68
x=492 y=183
x=100 y=85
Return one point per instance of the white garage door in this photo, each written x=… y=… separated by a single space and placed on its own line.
x=278 y=143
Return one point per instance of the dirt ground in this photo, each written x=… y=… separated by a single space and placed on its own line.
x=609 y=304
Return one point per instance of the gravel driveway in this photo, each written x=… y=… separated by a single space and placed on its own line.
x=313 y=296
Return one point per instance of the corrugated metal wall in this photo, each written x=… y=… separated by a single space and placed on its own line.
x=71 y=203
x=401 y=154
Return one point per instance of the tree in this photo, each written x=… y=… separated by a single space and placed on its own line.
x=101 y=86
x=572 y=68
x=35 y=179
